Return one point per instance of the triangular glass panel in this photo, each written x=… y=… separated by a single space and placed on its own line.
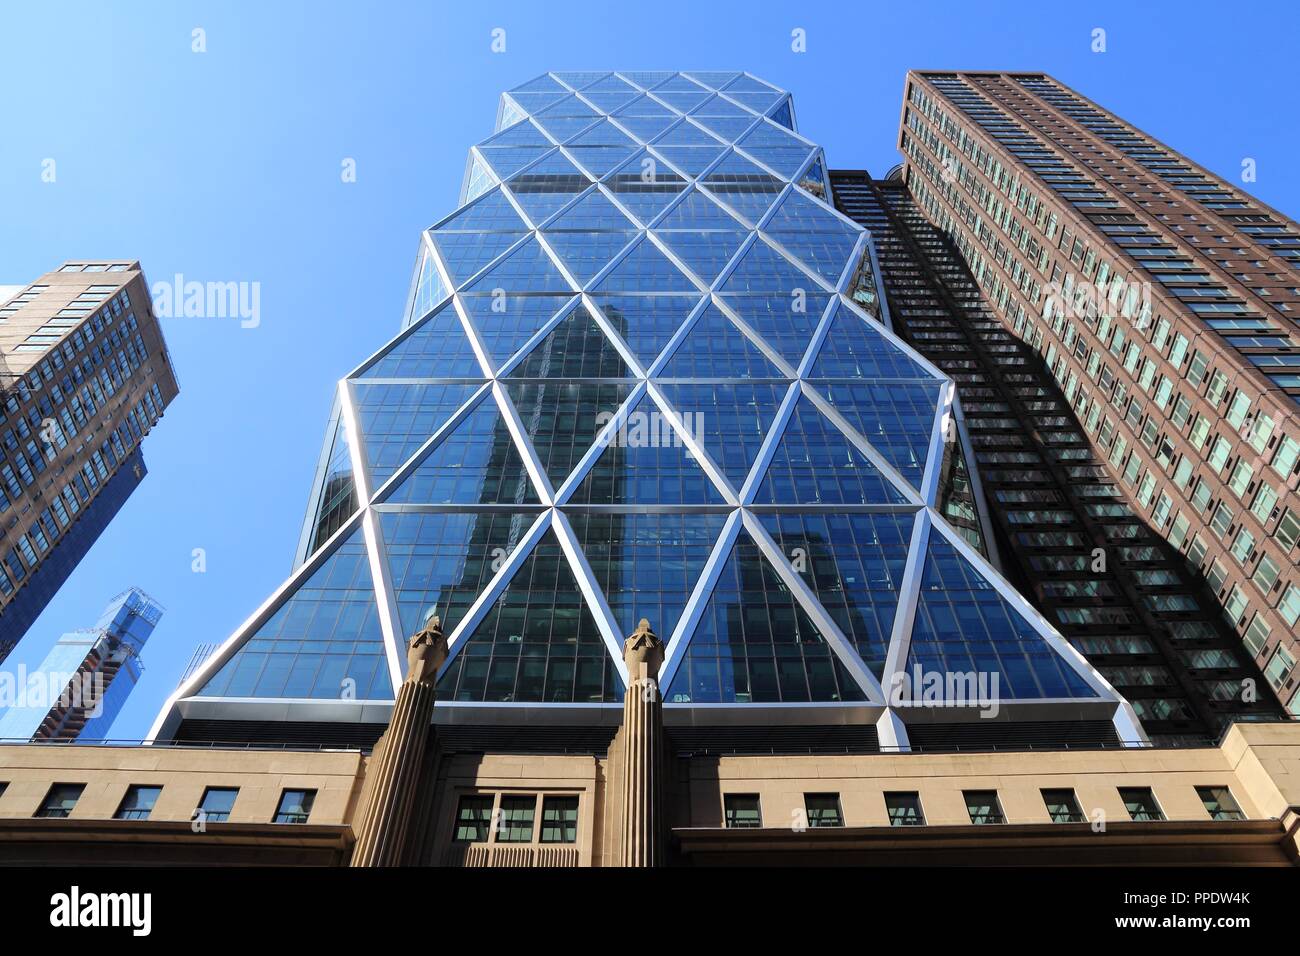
x=763 y=269
x=728 y=127
x=604 y=133
x=785 y=322
x=645 y=186
x=505 y=323
x=527 y=269
x=815 y=464
x=521 y=134
x=784 y=160
x=645 y=106
x=796 y=213
x=813 y=180
x=322 y=643
x=593 y=212
x=538 y=643
x=897 y=419
x=607 y=84
x=855 y=349
x=646 y=462
x=647 y=78
x=749 y=84
x=510 y=113
x=609 y=100
x=854 y=564
x=562 y=128
x=535 y=102
x=686 y=134
x=429 y=289
x=964 y=626
x=698 y=211
x=477 y=463
x=492 y=212
x=782 y=115
x=692 y=160
x=600 y=160
x=569 y=106
x=743 y=186
x=719 y=106
x=338 y=495
x=562 y=419
x=715 y=348
x=436 y=348
x=396 y=419
x=586 y=253
x=465 y=253
x=508 y=160
x=769 y=134
x=825 y=253
x=706 y=253
x=480 y=180
x=735 y=418
x=547 y=186
x=647 y=564
x=645 y=269
x=683 y=100
x=541 y=84
x=580 y=79
x=754 y=100
x=646 y=128
x=442 y=562
x=646 y=322
x=713 y=78
x=576 y=348
x=755 y=644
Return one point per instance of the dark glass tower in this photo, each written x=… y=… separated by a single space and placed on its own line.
x=645 y=371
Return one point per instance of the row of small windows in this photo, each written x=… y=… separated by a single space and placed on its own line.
x=903 y=808
x=513 y=818
x=215 y=807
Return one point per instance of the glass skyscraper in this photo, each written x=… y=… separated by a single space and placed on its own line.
x=646 y=371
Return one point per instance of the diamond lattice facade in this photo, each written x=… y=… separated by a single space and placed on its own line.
x=646 y=371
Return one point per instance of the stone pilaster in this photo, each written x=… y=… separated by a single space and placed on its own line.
x=393 y=776
x=642 y=751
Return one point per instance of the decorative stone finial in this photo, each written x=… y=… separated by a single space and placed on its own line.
x=643 y=647
x=426 y=652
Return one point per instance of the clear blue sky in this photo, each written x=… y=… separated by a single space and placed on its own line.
x=225 y=166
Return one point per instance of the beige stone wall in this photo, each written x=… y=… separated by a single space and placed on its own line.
x=183 y=773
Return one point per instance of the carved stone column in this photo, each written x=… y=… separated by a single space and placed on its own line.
x=395 y=767
x=643 y=745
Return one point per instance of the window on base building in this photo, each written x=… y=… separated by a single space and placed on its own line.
x=473 y=818
x=823 y=809
x=517 y=814
x=1140 y=803
x=1062 y=806
x=983 y=806
x=216 y=804
x=1219 y=803
x=904 y=809
x=295 y=806
x=741 y=811
x=138 y=802
x=61 y=799
x=560 y=820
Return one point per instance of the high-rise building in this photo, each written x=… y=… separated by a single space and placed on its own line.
x=1065 y=536
x=85 y=375
x=1162 y=299
x=646 y=371
x=95 y=670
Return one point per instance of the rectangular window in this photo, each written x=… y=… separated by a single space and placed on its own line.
x=1062 y=806
x=473 y=819
x=295 y=806
x=138 y=802
x=559 y=819
x=823 y=809
x=983 y=806
x=1140 y=803
x=742 y=811
x=61 y=799
x=517 y=814
x=216 y=804
x=1219 y=803
x=1279 y=666
x=904 y=809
